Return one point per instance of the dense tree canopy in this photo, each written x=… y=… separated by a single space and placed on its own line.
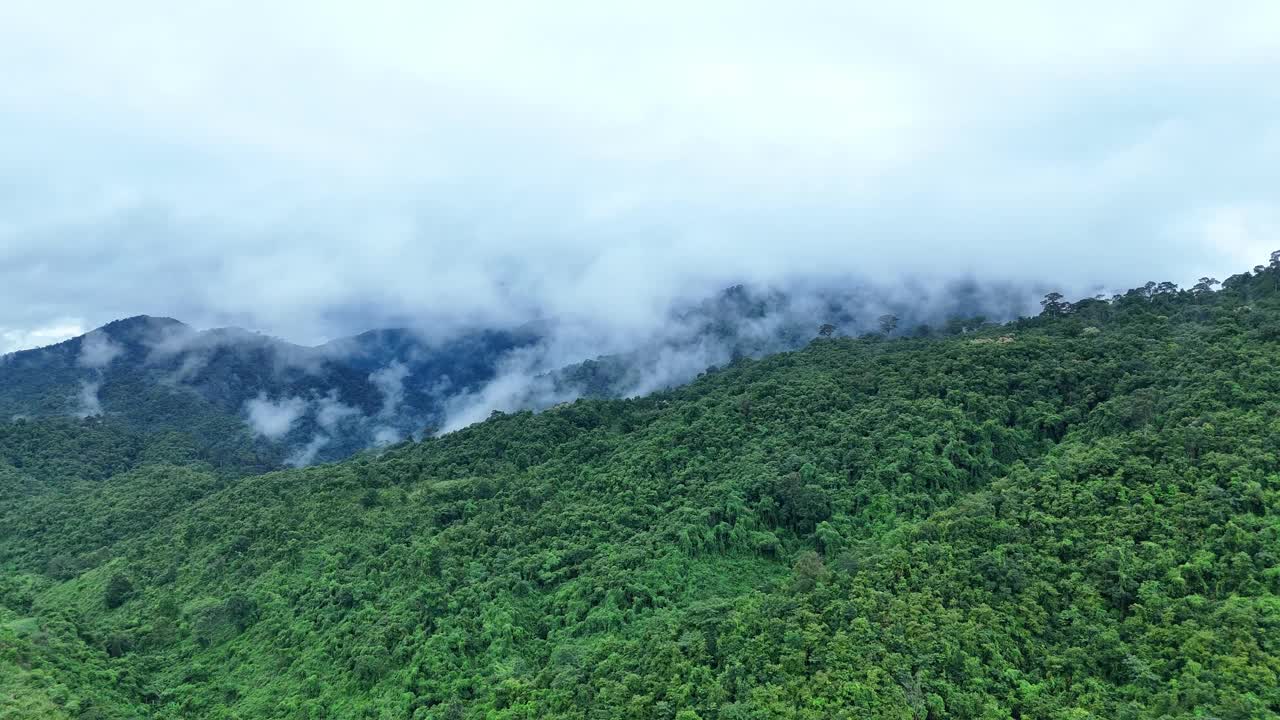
x=1070 y=516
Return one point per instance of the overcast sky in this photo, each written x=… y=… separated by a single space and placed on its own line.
x=311 y=168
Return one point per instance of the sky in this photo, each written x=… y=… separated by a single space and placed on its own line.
x=312 y=169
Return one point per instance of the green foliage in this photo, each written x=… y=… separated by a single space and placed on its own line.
x=118 y=590
x=1071 y=516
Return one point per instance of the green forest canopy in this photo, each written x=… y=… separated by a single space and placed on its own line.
x=1069 y=516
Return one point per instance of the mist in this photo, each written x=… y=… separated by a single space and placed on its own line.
x=97 y=350
x=273 y=419
x=312 y=171
x=580 y=359
x=565 y=191
x=88 y=403
x=387 y=385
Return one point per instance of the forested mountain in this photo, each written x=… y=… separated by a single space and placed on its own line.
x=750 y=322
x=301 y=405
x=298 y=403
x=1068 y=516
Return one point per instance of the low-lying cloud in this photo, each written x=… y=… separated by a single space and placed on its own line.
x=273 y=419
x=741 y=321
x=306 y=454
x=88 y=403
x=97 y=350
x=390 y=382
x=522 y=383
x=332 y=412
x=451 y=167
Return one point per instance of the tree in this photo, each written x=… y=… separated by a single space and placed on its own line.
x=1053 y=305
x=241 y=610
x=118 y=591
x=888 y=323
x=826 y=330
x=1204 y=285
x=828 y=538
x=807 y=571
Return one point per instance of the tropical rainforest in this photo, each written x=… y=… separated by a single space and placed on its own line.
x=1068 y=516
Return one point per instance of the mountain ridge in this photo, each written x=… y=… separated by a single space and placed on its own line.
x=328 y=401
x=1067 y=516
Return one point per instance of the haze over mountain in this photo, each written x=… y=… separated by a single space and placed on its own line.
x=567 y=360
x=314 y=402
x=383 y=386
x=317 y=170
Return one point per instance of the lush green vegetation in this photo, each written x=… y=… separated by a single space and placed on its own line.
x=1072 y=516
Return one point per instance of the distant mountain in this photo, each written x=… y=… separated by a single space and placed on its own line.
x=750 y=322
x=308 y=404
x=313 y=403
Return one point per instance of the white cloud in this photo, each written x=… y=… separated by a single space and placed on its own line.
x=97 y=350
x=390 y=382
x=517 y=386
x=90 y=405
x=274 y=418
x=314 y=168
x=13 y=340
x=306 y=454
x=386 y=436
x=331 y=412
x=1246 y=234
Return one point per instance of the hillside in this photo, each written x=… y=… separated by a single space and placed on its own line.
x=298 y=404
x=1069 y=516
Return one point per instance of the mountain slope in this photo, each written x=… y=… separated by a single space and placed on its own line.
x=308 y=404
x=1071 y=516
x=328 y=402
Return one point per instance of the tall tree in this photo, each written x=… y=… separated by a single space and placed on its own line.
x=888 y=323
x=1204 y=285
x=1053 y=305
